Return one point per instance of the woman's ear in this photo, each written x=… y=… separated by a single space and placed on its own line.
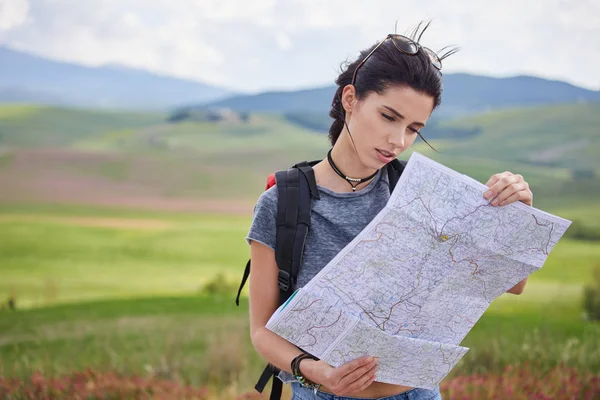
x=348 y=98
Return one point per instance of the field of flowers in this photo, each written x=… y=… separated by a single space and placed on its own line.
x=517 y=382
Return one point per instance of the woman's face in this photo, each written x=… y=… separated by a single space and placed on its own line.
x=384 y=125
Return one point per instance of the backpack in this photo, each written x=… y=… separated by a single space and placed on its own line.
x=296 y=189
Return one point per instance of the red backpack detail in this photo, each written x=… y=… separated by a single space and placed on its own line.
x=271 y=181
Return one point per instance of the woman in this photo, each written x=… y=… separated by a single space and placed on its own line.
x=383 y=100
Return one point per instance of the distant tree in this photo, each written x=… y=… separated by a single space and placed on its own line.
x=591 y=296
x=583 y=173
x=213 y=116
x=219 y=285
x=178 y=116
x=581 y=231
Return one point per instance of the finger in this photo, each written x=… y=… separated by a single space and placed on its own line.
x=524 y=196
x=365 y=381
x=499 y=186
x=368 y=383
x=496 y=177
x=508 y=192
x=493 y=179
x=358 y=384
x=353 y=365
x=358 y=373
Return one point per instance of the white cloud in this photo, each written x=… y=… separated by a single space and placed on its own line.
x=268 y=44
x=131 y=20
x=283 y=41
x=13 y=13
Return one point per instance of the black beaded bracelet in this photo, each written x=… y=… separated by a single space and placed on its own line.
x=298 y=375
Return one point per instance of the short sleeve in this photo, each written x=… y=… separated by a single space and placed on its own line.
x=264 y=220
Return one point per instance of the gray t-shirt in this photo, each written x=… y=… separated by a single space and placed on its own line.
x=336 y=219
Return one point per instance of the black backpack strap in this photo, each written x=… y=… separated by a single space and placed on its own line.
x=293 y=223
x=296 y=188
x=276 y=386
x=307 y=181
x=394 y=170
x=309 y=176
x=244 y=279
x=288 y=189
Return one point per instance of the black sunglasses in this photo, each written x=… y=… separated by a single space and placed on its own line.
x=405 y=45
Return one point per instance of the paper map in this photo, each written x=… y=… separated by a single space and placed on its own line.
x=414 y=282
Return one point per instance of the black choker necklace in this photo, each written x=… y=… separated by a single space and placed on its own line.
x=354 y=182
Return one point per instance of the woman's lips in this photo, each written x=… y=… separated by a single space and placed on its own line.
x=385 y=156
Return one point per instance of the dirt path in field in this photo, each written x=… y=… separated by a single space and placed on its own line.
x=71 y=177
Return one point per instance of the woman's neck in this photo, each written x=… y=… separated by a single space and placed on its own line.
x=347 y=161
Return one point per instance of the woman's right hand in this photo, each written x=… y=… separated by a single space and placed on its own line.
x=352 y=377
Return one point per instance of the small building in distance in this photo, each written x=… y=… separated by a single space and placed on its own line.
x=224 y=115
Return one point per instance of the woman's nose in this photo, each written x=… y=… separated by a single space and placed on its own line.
x=397 y=139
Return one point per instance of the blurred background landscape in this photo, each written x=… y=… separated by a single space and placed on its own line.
x=126 y=195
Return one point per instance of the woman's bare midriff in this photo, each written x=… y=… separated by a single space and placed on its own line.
x=377 y=390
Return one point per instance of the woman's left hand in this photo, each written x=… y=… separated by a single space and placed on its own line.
x=506 y=188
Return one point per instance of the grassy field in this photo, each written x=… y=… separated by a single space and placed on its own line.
x=202 y=340
x=57 y=254
x=107 y=236
x=118 y=291
x=176 y=336
x=61 y=257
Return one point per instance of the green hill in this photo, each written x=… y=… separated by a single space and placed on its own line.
x=139 y=156
x=263 y=135
x=556 y=148
x=82 y=157
x=566 y=136
x=38 y=126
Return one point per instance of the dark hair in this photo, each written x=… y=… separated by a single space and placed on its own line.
x=387 y=67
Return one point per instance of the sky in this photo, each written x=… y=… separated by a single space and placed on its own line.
x=259 y=45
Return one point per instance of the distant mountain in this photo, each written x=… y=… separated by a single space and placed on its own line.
x=468 y=94
x=464 y=94
x=308 y=100
x=32 y=79
x=19 y=95
x=25 y=78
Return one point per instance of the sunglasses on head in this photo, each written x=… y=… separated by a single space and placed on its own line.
x=407 y=46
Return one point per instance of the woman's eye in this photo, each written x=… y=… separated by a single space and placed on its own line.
x=413 y=130
x=389 y=118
